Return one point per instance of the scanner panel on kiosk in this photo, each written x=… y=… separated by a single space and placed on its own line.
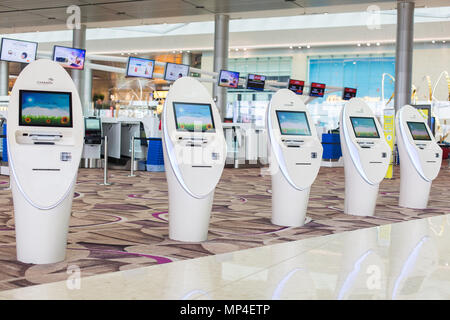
x=366 y=157
x=296 y=157
x=194 y=154
x=45 y=140
x=420 y=158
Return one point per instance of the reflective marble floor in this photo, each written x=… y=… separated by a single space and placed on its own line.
x=406 y=260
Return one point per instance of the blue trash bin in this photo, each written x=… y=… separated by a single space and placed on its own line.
x=155 y=155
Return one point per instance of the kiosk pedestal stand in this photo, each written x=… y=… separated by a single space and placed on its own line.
x=45 y=141
x=366 y=157
x=420 y=158
x=296 y=153
x=194 y=154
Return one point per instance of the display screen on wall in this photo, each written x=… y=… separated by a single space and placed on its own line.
x=229 y=79
x=293 y=123
x=18 y=50
x=71 y=58
x=364 y=127
x=193 y=117
x=418 y=131
x=92 y=124
x=349 y=93
x=317 y=89
x=296 y=86
x=139 y=67
x=175 y=71
x=45 y=108
x=256 y=82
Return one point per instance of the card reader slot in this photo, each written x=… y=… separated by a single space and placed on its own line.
x=290 y=146
x=431 y=161
x=45 y=169
x=44 y=142
x=375 y=162
x=303 y=164
x=201 y=166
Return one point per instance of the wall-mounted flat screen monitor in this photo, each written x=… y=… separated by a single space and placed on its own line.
x=193 y=117
x=175 y=71
x=418 y=131
x=296 y=86
x=317 y=89
x=256 y=82
x=348 y=93
x=45 y=108
x=92 y=124
x=71 y=58
x=139 y=67
x=293 y=123
x=364 y=127
x=228 y=79
x=18 y=50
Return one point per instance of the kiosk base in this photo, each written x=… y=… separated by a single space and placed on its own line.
x=360 y=196
x=414 y=191
x=41 y=235
x=188 y=216
x=288 y=204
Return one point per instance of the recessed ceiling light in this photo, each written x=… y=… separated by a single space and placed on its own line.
x=378 y=43
x=122 y=53
x=308 y=46
x=290 y=47
x=433 y=41
x=245 y=49
x=299 y=47
x=368 y=44
x=237 y=49
x=359 y=44
x=325 y=13
x=188 y=51
x=443 y=41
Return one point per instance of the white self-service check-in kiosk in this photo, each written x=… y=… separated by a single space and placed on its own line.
x=296 y=154
x=366 y=157
x=420 y=158
x=45 y=141
x=194 y=157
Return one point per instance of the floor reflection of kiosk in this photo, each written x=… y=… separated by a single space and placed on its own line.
x=92 y=140
x=44 y=145
x=295 y=159
x=366 y=157
x=420 y=158
x=194 y=154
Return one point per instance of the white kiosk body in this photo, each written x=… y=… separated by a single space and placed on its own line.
x=366 y=157
x=194 y=157
x=420 y=158
x=296 y=154
x=45 y=141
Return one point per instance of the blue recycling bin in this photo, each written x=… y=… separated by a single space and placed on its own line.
x=331 y=144
x=155 y=155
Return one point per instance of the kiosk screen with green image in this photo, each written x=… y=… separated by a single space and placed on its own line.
x=193 y=117
x=418 y=131
x=293 y=123
x=364 y=127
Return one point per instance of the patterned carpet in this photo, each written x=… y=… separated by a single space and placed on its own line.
x=124 y=226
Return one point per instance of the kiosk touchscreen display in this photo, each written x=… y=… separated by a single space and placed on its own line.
x=193 y=117
x=92 y=124
x=418 y=131
x=293 y=123
x=364 y=127
x=45 y=108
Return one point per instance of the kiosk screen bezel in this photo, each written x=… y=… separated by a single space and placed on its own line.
x=279 y=112
x=68 y=125
x=409 y=123
x=374 y=124
x=212 y=130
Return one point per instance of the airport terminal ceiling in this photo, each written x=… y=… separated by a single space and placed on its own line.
x=26 y=15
